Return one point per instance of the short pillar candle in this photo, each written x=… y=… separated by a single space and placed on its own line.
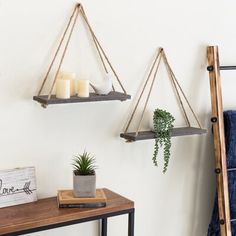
x=83 y=88
x=69 y=76
x=63 y=88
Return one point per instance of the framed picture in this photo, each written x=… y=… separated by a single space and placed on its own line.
x=17 y=186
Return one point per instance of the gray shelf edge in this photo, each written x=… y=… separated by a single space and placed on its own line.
x=117 y=96
x=147 y=135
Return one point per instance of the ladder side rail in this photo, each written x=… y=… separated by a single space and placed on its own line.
x=219 y=142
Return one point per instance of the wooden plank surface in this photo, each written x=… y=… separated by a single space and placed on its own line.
x=46 y=212
x=43 y=99
x=143 y=135
x=219 y=141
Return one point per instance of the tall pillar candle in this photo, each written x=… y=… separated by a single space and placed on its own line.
x=69 y=76
x=83 y=88
x=63 y=88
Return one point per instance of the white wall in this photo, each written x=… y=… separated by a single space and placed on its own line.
x=178 y=203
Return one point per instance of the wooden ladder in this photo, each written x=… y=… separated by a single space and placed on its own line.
x=219 y=139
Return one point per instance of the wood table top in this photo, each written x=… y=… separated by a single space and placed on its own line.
x=45 y=212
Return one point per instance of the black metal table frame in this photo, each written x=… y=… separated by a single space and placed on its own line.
x=102 y=217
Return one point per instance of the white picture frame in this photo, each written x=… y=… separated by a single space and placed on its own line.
x=17 y=186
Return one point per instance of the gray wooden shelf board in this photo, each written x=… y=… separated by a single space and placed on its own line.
x=143 y=135
x=43 y=99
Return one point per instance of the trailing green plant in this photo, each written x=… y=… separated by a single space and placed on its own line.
x=163 y=123
x=84 y=164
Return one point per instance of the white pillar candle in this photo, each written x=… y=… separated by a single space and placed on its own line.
x=63 y=88
x=83 y=88
x=71 y=77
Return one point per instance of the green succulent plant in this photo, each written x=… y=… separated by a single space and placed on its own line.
x=84 y=164
x=163 y=123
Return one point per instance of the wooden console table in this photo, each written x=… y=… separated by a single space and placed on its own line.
x=44 y=214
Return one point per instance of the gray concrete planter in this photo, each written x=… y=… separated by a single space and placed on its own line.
x=84 y=185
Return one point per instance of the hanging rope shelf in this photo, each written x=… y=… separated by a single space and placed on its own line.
x=50 y=98
x=182 y=131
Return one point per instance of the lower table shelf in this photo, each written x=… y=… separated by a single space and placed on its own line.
x=93 y=97
x=143 y=135
x=45 y=214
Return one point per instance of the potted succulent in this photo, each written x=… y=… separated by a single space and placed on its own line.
x=84 y=176
x=163 y=123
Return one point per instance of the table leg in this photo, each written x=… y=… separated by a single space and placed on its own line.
x=131 y=224
x=104 y=227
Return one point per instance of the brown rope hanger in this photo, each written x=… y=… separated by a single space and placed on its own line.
x=78 y=9
x=161 y=56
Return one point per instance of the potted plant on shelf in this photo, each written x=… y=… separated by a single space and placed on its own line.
x=84 y=176
x=163 y=124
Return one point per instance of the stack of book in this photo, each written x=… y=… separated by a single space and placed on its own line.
x=66 y=199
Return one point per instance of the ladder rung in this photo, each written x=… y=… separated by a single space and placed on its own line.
x=231 y=169
x=227 y=67
x=233 y=220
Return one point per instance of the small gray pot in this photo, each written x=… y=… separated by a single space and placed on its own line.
x=84 y=185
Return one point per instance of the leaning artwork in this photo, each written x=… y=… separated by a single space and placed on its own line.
x=17 y=186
